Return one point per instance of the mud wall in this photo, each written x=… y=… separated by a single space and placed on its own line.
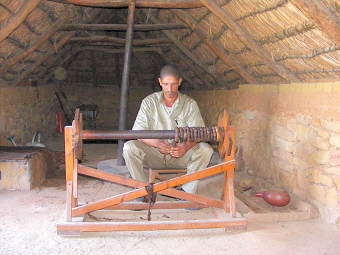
x=290 y=135
x=25 y=110
x=108 y=101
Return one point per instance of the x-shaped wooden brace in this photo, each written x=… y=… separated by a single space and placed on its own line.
x=164 y=188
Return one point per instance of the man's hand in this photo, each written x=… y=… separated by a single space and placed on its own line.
x=180 y=149
x=164 y=147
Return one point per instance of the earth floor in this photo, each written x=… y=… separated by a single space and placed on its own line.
x=29 y=219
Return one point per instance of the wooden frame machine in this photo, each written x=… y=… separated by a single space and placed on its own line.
x=224 y=211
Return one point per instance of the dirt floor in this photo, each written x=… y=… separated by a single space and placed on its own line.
x=29 y=219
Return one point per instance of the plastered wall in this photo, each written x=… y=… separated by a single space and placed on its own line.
x=25 y=110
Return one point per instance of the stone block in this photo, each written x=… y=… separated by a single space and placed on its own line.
x=302 y=133
x=334 y=159
x=304 y=150
x=318 y=192
x=325 y=180
x=317 y=141
x=287 y=179
x=332 y=197
x=24 y=168
x=336 y=181
x=321 y=157
x=302 y=179
x=335 y=140
x=283 y=132
x=331 y=125
x=323 y=134
x=304 y=120
x=300 y=193
x=283 y=144
x=302 y=164
x=333 y=170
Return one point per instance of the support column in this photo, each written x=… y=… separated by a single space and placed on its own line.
x=125 y=80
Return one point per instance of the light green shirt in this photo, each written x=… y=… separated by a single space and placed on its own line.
x=155 y=115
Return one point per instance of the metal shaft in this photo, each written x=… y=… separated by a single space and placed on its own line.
x=126 y=134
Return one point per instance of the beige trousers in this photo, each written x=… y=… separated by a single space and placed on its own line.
x=137 y=155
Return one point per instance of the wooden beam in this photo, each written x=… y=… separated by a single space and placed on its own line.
x=320 y=14
x=182 y=48
x=249 y=41
x=182 y=4
x=15 y=21
x=6 y=65
x=215 y=47
x=48 y=71
x=123 y=27
x=120 y=41
x=46 y=56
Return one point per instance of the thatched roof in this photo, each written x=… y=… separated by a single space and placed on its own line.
x=216 y=43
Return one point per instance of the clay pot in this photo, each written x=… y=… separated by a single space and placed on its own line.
x=274 y=197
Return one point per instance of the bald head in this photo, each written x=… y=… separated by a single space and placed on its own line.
x=169 y=70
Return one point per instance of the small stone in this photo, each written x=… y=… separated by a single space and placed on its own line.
x=251 y=172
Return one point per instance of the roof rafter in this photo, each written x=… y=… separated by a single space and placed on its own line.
x=123 y=27
x=15 y=21
x=5 y=66
x=116 y=40
x=248 y=40
x=216 y=48
x=139 y=3
x=319 y=13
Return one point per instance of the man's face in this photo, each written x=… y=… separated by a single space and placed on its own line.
x=170 y=86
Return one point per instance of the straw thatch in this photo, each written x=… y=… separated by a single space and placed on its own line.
x=217 y=44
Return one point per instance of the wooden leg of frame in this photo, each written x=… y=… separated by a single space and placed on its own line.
x=69 y=199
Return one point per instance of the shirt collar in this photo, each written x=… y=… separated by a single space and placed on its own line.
x=178 y=100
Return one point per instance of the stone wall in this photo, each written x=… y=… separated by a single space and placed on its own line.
x=25 y=110
x=290 y=135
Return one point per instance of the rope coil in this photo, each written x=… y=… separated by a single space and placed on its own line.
x=199 y=134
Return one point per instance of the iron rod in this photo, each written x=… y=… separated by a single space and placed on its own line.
x=126 y=134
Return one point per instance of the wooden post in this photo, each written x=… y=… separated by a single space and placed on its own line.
x=69 y=168
x=125 y=80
